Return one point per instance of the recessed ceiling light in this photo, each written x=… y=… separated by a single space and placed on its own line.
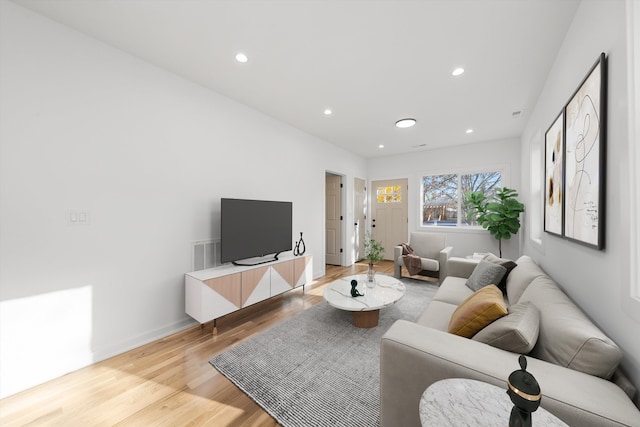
x=328 y=112
x=241 y=57
x=458 y=71
x=469 y=131
x=381 y=146
x=405 y=123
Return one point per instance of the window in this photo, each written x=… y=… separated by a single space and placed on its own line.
x=443 y=196
x=536 y=162
x=389 y=194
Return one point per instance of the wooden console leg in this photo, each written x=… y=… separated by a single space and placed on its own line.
x=215 y=326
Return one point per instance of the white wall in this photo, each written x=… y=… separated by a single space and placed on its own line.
x=149 y=155
x=492 y=155
x=597 y=280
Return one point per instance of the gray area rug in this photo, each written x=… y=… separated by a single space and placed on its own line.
x=317 y=368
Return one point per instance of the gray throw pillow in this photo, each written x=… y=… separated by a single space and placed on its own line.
x=506 y=263
x=485 y=273
x=516 y=332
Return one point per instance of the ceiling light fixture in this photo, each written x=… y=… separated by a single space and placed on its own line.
x=469 y=131
x=241 y=57
x=381 y=146
x=457 y=72
x=328 y=112
x=405 y=123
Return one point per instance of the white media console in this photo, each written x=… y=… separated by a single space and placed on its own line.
x=217 y=291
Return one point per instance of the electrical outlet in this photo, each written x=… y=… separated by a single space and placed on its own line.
x=84 y=217
x=79 y=217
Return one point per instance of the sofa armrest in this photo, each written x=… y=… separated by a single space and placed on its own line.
x=443 y=260
x=461 y=267
x=412 y=357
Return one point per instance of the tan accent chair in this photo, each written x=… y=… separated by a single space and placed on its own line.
x=431 y=248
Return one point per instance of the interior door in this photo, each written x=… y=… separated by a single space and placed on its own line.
x=360 y=216
x=389 y=218
x=333 y=211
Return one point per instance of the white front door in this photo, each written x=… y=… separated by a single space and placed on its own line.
x=332 y=219
x=360 y=216
x=389 y=218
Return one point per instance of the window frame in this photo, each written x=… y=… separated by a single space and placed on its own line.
x=505 y=177
x=632 y=304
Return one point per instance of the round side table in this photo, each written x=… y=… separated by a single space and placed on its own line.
x=459 y=402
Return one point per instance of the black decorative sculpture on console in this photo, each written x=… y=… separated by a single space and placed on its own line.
x=524 y=391
x=300 y=247
x=354 y=291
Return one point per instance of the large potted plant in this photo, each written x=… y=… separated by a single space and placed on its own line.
x=500 y=213
x=373 y=252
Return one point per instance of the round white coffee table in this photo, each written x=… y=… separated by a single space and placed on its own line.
x=459 y=402
x=366 y=309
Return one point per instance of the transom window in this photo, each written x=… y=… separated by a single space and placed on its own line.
x=389 y=194
x=443 y=196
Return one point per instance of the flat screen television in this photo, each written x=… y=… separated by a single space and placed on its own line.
x=254 y=228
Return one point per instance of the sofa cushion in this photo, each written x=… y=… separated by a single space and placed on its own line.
x=521 y=276
x=425 y=264
x=430 y=264
x=453 y=290
x=427 y=245
x=437 y=315
x=481 y=308
x=506 y=263
x=516 y=332
x=567 y=337
x=485 y=273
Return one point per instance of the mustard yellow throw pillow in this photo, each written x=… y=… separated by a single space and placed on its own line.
x=477 y=311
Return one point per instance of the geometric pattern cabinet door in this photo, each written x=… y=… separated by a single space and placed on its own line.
x=256 y=286
x=302 y=271
x=282 y=277
x=203 y=302
x=228 y=287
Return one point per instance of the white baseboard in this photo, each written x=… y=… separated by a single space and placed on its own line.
x=142 y=339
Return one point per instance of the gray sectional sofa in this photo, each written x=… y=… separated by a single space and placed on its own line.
x=575 y=363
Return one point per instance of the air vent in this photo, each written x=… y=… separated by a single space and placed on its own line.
x=205 y=254
x=517 y=114
x=419 y=146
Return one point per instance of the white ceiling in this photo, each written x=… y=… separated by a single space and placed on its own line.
x=372 y=62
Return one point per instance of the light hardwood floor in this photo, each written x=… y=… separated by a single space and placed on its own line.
x=168 y=382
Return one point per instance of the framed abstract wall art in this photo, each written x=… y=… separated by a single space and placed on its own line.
x=585 y=159
x=554 y=176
